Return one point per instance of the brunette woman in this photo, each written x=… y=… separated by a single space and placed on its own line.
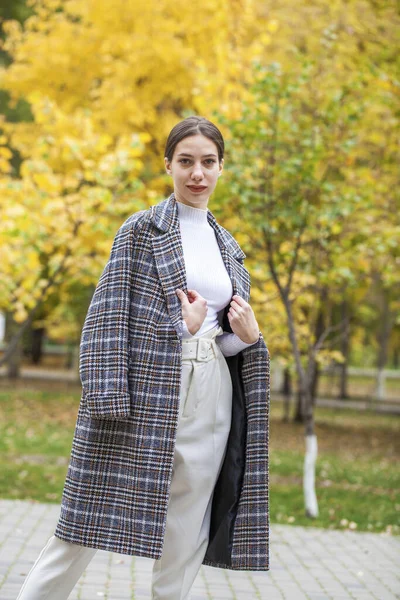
x=169 y=458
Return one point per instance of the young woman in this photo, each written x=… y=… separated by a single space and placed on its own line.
x=169 y=458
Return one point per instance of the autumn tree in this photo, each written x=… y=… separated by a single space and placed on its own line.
x=59 y=215
x=288 y=161
x=111 y=86
x=103 y=90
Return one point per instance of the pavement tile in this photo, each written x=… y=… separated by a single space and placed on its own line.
x=306 y=564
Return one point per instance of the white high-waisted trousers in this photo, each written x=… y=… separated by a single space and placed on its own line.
x=203 y=429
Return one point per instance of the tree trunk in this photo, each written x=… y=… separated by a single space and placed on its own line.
x=383 y=341
x=37 y=336
x=345 y=349
x=310 y=459
x=304 y=399
x=314 y=384
x=305 y=407
x=298 y=415
x=319 y=329
x=14 y=359
x=396 y=356
x=287 y=392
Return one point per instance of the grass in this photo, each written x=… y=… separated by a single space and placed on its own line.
x=36 y=429
x=359 y=387
x=357 y=476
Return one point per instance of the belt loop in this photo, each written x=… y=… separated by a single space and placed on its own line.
x=203 y=348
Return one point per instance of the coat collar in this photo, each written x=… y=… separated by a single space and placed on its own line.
x=165 y=217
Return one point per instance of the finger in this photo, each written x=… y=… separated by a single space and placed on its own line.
x=239 y=300
x=235 y=305
x=237 y=313
x=182 y=296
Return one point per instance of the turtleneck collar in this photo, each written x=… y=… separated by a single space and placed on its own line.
x=190 y=214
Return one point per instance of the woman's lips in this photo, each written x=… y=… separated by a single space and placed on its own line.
x=197 y=188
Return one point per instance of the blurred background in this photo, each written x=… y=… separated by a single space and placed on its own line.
x=306 y=94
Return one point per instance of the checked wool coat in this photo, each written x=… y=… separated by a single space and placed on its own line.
x=116 y=490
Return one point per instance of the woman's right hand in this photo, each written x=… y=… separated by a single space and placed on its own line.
x=194 y=309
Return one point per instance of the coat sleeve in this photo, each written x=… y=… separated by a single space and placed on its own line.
x=104 y=346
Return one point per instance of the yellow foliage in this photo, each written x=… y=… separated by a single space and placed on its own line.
x=105 y=86
x=46 y=182
x=44 y=210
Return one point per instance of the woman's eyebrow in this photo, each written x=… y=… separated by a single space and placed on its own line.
x=191 y=155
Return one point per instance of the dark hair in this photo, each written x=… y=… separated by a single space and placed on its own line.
x=194 y=126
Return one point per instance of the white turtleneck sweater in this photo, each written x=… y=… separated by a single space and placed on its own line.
x=206 y=273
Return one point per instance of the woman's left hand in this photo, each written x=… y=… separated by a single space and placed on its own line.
x=243 y=321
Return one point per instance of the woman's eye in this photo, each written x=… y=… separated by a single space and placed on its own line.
x=186 y=161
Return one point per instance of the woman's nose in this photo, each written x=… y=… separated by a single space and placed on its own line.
x=197 y=172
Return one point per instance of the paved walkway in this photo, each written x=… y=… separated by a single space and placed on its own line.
x=306 y=563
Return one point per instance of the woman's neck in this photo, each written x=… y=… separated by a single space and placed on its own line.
x=190 y=214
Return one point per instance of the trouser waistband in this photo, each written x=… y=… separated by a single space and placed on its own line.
x=204 y=347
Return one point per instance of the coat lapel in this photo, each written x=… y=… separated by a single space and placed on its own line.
x=169 y=259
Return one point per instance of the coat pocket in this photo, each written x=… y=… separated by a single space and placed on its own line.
x=106 y=405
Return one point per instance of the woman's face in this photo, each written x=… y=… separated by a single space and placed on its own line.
x=195 y=170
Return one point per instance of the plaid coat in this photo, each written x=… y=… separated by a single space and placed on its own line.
x=116 y=490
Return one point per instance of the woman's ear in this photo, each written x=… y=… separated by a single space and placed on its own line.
x=221 y=167
x=167 y=165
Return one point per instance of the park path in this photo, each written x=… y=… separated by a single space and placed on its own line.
x=306 y=563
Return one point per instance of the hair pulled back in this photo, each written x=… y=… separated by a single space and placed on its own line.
x=194 y=126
